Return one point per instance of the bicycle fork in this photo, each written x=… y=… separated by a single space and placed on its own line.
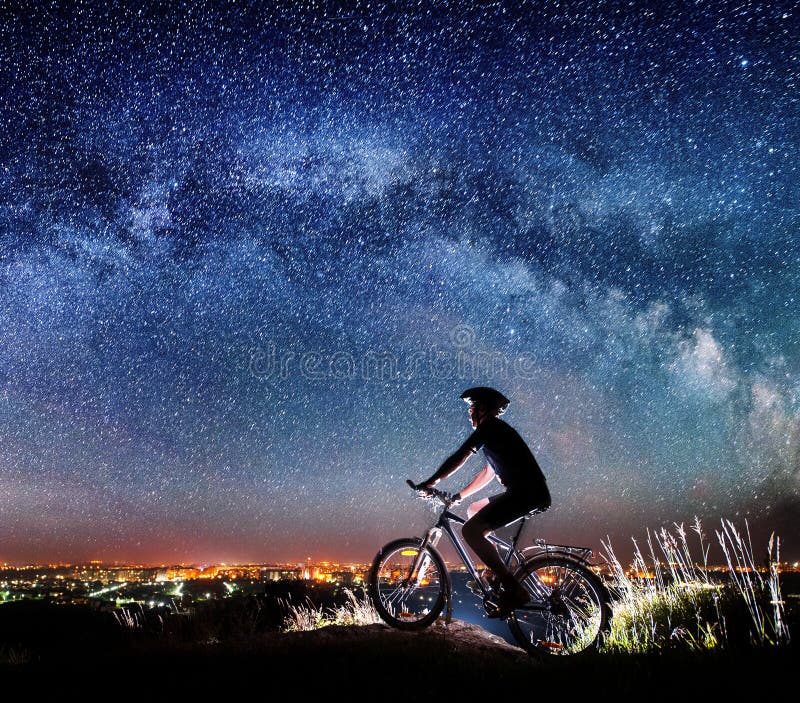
x=420 y=566
x=422 y=561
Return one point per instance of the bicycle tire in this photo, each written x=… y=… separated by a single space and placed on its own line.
x=407 y=606
x=575 y=614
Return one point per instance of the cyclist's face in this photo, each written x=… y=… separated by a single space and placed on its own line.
x=476 y=415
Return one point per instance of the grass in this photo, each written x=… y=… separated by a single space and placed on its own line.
x=14 y=656
x=668 y=599
x=355 y=611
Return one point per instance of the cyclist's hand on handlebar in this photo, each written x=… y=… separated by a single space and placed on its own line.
x=429 y=491
x=421 y=487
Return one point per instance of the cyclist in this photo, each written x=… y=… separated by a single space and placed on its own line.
x=510 y=461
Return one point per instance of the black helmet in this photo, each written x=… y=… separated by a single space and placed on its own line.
x=488 y=397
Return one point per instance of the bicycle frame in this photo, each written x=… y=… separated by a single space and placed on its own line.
x=445 y=523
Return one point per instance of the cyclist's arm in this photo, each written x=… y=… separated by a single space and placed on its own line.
x=482 y=480
x=450 y=465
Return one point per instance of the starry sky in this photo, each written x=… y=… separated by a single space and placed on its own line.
x=251 y=253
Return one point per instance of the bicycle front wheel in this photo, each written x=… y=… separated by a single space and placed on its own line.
x=407 y=585
x=569 y=608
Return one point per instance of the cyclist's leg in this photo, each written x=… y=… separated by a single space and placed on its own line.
x=500 y=511
x=477 y=506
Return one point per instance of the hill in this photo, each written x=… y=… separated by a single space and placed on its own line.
x=375 y=660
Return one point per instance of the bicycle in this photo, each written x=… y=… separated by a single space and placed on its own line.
x=569 y=608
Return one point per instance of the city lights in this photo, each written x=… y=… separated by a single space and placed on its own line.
x=164 y=585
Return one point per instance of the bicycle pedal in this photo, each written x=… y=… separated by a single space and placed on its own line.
x=492 y=606
x=492 y=609
x=555 y=647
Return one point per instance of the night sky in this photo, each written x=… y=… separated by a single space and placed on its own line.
x=250 y=255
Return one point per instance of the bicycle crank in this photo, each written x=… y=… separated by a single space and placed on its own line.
x=491 y=606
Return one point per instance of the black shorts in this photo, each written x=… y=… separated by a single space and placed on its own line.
x=507 y=507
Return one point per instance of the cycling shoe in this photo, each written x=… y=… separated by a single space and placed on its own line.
x=503 y=607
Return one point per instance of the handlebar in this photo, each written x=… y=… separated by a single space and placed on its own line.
x=446 y=498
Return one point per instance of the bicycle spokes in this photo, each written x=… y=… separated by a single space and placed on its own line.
x=409 y=585
x=565 y=612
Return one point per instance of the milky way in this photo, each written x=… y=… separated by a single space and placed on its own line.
x=251 y=255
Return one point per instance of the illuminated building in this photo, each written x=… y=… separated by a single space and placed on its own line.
x=279 y=573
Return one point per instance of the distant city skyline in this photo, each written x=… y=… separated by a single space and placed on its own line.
x=323 y=565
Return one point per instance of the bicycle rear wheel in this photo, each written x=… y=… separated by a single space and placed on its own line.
x=569 y=609
x=408 y=588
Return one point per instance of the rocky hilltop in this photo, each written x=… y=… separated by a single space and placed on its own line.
x=374 y=660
